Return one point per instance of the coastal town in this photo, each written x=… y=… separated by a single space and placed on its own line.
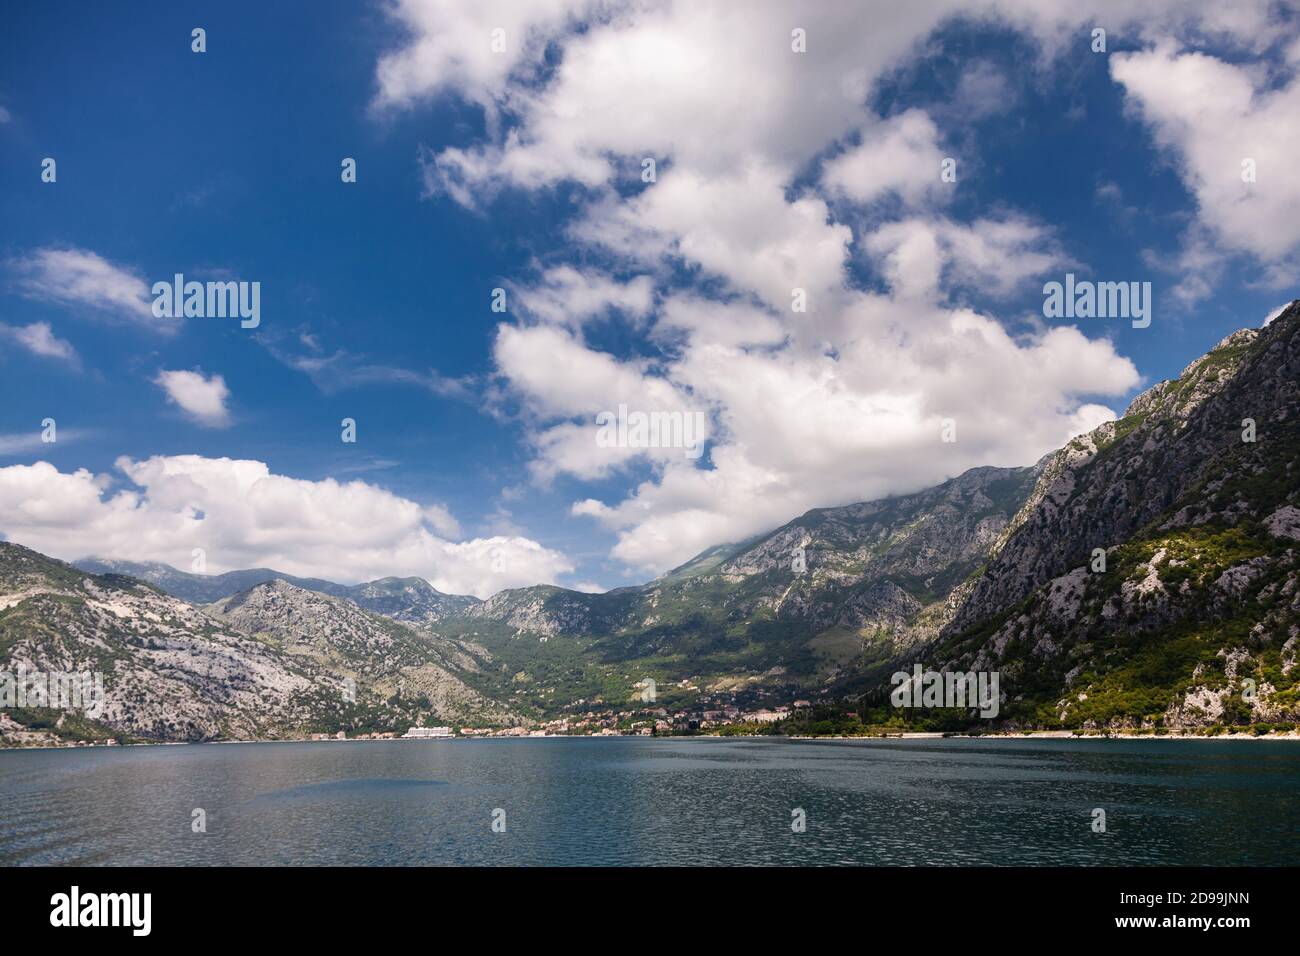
x=710 y=715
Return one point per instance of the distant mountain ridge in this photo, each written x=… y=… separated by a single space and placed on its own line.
x=546 y=609
x=870 y=580
x=406 y=599
x=739 y=615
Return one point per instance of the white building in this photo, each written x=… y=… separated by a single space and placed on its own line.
x=428 y=732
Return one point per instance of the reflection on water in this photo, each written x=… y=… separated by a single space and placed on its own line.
x=656 y=802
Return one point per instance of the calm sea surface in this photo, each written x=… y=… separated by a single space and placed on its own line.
x=647 y=801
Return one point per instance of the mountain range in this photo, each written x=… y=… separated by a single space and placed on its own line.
x=1142 y=576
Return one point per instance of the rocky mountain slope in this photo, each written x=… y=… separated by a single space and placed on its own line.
x=384 y=656
x=1193 y=497
x=870 y=563
x=173 y=671
x=170 y=671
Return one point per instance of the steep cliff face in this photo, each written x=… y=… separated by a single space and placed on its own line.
x=1191 y=498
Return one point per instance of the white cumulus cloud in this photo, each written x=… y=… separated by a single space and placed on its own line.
x=79 y=277
x=900 y=155
x=38 y=338
x=243 y=515
x=1233 y=137
x=202 y=398
x=774 y=173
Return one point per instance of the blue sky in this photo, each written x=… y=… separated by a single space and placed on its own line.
x=476 y=464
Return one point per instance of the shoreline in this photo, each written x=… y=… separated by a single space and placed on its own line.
x=1055 y=735
x=913 y=735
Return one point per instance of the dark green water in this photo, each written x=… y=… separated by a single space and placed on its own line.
x=646 y=801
